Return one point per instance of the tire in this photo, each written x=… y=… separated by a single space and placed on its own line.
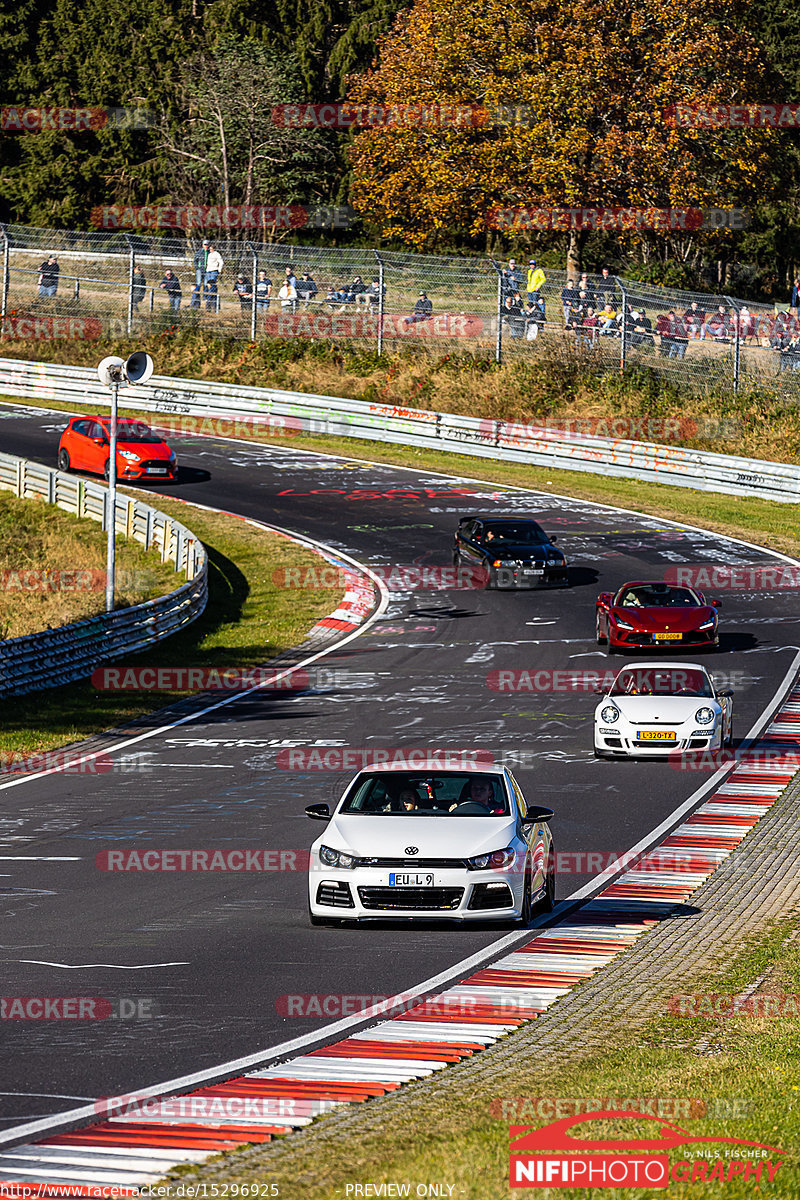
x=524 y=918
x=728 y=741
x=63 y=460
x=601 y=641
x=611 y=649
x=107 y=469
x=548 y=900
x=456 y=559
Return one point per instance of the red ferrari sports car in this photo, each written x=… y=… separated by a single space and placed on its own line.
x=656 y=614
x=141 y=453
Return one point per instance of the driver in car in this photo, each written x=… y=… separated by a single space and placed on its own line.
x=480 y=792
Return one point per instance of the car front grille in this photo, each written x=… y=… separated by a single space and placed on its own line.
x=433 y=899
x=414 y=864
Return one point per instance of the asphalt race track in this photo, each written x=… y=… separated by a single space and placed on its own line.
x=211 y=954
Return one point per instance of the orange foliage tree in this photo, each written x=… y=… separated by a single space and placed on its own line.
x=598 y=78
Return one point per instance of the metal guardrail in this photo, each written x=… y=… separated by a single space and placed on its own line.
x=58 y=656
x=295 y=411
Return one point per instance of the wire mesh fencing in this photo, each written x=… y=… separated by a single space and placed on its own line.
x=63 y=283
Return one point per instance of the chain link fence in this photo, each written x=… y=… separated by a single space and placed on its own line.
x=112 y=284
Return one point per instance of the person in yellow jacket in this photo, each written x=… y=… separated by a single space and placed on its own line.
x=536 y=280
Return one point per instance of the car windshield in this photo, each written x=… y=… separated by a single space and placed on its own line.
x=437 y=794
x=517 y=533
x=662 y=681
x=656 y=595
x=135 y=431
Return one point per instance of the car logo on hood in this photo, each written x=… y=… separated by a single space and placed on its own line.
x=412 y=850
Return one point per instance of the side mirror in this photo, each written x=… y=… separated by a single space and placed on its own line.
x=715 y=603
x=535 y=812
x=553 y=539
x=318 y=812
x=605 y=598
x=727 y=692
x=599 y=690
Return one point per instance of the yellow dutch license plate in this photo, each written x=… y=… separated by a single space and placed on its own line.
x=655 y=735
x=668 y=637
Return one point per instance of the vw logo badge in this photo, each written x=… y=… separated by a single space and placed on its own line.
x=412 y=850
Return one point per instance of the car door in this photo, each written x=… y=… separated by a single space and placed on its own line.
x=97 y=447
x=469 y=543
x=537 y=854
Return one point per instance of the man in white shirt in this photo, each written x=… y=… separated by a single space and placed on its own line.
x=214 y=265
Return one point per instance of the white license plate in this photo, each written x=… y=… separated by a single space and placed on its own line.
x=533 y=571
x=156 y=470
x=396 y=879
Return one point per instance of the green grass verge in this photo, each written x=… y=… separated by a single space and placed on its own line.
x=248 y=620
x=743 y=1068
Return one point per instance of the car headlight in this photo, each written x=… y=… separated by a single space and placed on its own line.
x=173 y=458
x=620 y=624
x=336 y=858
x=503 y=562
x=129 y=455
x=708 y=624
x=705 y=716
x=495 y=858
x=610 y=714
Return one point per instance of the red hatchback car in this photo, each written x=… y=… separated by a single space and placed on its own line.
x=141 y=453
x=656 y=614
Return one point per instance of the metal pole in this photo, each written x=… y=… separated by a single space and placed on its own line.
x=6 y=267
x=249 y=246
x=130 y=284
x=737 y=346
x=380 y=301
x=623 y=354
x=111 y=511
x=498 y=343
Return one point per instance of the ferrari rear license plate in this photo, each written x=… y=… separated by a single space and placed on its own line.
x=655 y=735
x=403 y=880
x=667 y=637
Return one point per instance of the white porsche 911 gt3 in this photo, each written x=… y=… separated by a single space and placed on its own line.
x=653 y=708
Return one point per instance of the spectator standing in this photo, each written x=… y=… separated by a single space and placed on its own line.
x=287 y=294
x=534 y=318
x=139 y=288
x=172 y=286
x=423 y=309
x=241 y=288
x=663 y=332
x=200 y=262
x=585 y=286
x=511 y=279
x=48 y=276
x=795 y=297
x=196 y=296
x=569 y=297
x=263 y=291
x=536 y=280
x=679 y=337
x=606 y=290
x=290 y=277
x=214 y=265
x=306 y=289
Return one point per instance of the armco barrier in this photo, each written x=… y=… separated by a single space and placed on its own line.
x=57 y=656
x=709 y=472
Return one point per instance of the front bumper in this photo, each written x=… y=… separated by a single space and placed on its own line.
x=622 y=742
x=511 y=578
x=452 y=894
x=635 y=639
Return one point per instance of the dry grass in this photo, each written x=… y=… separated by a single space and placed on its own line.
x=53 y=568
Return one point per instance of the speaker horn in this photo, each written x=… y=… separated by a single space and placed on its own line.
x=111 y=370
x=139 y=367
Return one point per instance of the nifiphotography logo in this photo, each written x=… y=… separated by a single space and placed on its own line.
x=609 y=1163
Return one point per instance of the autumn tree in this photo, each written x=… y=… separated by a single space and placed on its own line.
x=598 y=79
